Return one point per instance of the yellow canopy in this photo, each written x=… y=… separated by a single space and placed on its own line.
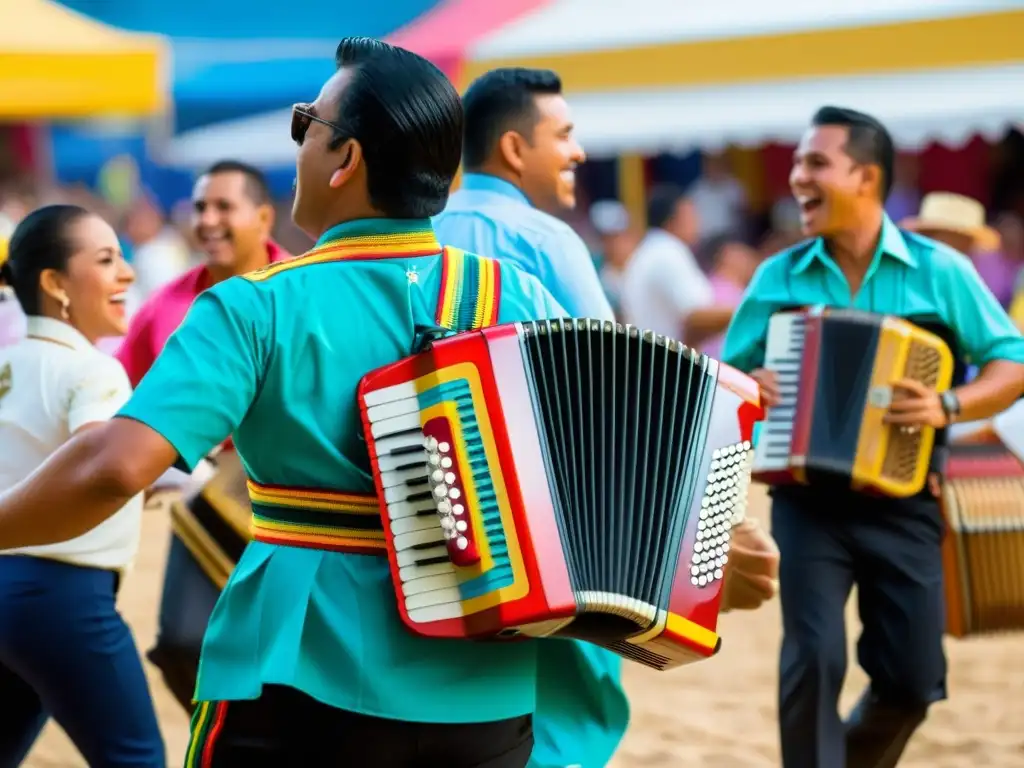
x=58 y=64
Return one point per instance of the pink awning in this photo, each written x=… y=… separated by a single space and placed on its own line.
x=445 y=32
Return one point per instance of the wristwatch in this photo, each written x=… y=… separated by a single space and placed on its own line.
x=950 y=405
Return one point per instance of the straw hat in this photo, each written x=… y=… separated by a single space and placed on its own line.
x=946 y=212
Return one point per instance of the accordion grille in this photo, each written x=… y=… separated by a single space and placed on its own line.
x=901 y=459
x=625 y=416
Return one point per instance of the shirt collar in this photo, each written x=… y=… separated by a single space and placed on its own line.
x=388 y=235
x=485 y=182
x=891 y=244
x=56 y=331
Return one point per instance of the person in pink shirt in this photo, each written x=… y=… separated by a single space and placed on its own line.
x=232 y=220
x=732 y=266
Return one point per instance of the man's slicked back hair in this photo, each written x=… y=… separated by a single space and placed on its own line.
x=868 y=143
x=503 y=100
x=407 y=116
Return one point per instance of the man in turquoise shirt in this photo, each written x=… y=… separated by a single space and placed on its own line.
x=830 y=539
x=306 y=661
x=519 y=147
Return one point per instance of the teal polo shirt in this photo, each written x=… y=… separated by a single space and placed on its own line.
x=910 y=276
x=275 y=363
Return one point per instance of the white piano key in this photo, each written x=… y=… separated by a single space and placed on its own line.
x=402 y=492
x=433 y=598
x=394 y=408
x=410 y=572
x=386 y=445
x=391 y=462
x=418 y=523
x=401 y=509
x=388 y=394
x=432 y=613
x=405 y=423
x=430 y=584
x=392 y=477
x=426 y=536
x=408 y=557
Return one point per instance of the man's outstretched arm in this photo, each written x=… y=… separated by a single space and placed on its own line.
x=85 y=482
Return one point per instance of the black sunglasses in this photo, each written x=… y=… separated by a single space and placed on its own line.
x=302 y=117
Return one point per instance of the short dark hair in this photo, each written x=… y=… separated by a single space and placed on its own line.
x=662 y=204
x=868 y=143
x=499 y=101
x=39 y=242
x=407 y=117
x=256 y=186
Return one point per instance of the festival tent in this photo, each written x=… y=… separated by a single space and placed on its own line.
x=56 y=64
x=669 y=76
x=442 y=34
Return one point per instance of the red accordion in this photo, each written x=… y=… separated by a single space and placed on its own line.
x=575 y=478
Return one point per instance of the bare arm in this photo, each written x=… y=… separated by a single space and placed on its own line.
x=703 y=324
x=88 y=480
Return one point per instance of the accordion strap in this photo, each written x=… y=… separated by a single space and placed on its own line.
x=470 y=291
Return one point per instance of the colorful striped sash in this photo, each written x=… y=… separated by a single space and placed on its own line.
x=316 y=519
x=470 y=291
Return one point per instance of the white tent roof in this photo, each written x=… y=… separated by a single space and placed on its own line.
x=918 y=107
x=568 y=26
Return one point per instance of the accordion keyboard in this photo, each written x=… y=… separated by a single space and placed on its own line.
x=783 y=355
x=425 y=492
x=427 y=573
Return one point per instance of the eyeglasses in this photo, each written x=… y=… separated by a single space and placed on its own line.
x=302 y=117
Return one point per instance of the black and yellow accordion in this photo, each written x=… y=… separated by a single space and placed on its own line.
x=835 y=369
x=209 y=534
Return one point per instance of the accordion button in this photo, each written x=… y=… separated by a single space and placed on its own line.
x=458 y=509
x=444 y=508
x=461 y=526
x=446 y=462
x=437 y=476
x=449 y=478
x=447 y=523
x=441 y=491
x=443 y=447
x=430 y=443
x=454 y=493
x=462 y=542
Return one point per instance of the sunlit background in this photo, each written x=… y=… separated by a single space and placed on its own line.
x=118 y=103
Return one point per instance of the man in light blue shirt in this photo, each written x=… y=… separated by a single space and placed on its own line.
x=520 y=155
x=520 y=158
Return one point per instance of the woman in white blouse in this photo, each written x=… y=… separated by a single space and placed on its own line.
x=65 y=651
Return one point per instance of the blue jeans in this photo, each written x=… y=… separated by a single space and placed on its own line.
x=66 y=652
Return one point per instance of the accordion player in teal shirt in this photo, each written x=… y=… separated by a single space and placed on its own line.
x=306 y=661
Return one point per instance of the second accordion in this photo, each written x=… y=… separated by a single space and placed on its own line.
x=571 y=478
x=835 y=370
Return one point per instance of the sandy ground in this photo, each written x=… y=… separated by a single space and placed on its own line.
x=715 y=714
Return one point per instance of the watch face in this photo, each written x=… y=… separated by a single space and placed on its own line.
x=950 y=403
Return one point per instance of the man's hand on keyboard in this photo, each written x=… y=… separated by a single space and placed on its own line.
x=769 y=383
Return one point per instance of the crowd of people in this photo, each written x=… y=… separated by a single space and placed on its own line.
x=210 y=357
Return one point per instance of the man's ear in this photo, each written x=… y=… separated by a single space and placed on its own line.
x=511 y=147
x=351 y=154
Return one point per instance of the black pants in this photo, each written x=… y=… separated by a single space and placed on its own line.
x=284 y=728
x=891 y=549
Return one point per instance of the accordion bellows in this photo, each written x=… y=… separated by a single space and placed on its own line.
x=575 y=478
x=983 y=549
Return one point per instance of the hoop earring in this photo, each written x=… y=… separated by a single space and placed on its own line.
x=65 y=303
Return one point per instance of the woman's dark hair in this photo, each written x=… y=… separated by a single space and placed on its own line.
x=39 y=242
